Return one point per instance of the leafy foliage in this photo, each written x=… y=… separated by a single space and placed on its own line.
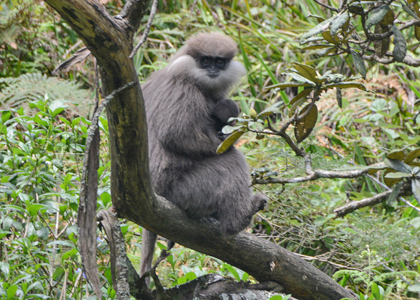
x=369 y=124
x=39 y=166
x=29 y=87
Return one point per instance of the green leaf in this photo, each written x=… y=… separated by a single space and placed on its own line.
x=408 y=10
x=397 y=175
x=301 y=95
x=381 y=46
x=317 y=29
x=283 y=86
x=5 y=115
x=229 y=141
x=233 y=271
x=304 y=126
x=40 y=121
x=376 y=291
x=299 y=78
x=266 y=112
x=34 y=208
x=11 y=291
x=415 y=187
x=400 y=45
x=396 y=154
x=329 y=38
x=4 y=233
x=347 y=85
x=338 y=23
x=65 y=121
x=306 y=71
x=69 y=254
x=356 y=9
x=412 y=155
x=415 y=288
x=358 y=61
x=398 y=165
x=377 y=15
x=57 y=107
x=395 y=192
x=316 y=47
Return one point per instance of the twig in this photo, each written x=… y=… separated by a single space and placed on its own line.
x=152 y=272
x=147 y=29
x=354 y=205
x=375 y=180
x=327 y=6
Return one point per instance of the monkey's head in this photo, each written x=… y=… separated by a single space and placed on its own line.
x=207 y=60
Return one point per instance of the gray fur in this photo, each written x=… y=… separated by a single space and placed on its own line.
x=223 y=111
x=185 y=169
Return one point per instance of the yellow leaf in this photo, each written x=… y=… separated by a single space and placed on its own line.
x=304 y=126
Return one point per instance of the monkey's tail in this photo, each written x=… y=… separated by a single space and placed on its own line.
x=147 y=250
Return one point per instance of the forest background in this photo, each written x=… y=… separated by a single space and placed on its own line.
x=373 y=250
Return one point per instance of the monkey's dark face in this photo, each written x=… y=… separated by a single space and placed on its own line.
x=213 y=65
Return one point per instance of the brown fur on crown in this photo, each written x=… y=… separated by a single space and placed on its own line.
x=208 y=44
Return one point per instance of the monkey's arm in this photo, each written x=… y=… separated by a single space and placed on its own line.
x=190 y=139
x=225 y=109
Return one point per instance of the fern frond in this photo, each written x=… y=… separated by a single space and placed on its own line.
x=30 y=87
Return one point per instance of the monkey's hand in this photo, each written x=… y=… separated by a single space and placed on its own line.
x=221 y=136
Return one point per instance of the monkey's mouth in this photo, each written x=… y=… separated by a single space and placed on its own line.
x=212 y=75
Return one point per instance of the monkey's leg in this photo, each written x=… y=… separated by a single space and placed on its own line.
x=260 y=202
x=218 y=187
x=147 y=250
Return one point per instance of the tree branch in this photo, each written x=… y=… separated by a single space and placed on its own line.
x=316 y=174
x=354 y=205
x=133 y=12
x=147 y=29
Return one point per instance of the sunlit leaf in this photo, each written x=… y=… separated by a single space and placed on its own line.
x=299 y=78
x=271 y=109
x=387 y=20
x=396 y=154
x=229 y=141
x=316 y=47
x=285 y=85
x=376 y=167
x=304 y=126
x=400 y=45
x=317 y=29
x=346 y=85
x=396 y=175
x=412 y=155
x=390 y=181
x=329 y=38
x=306 y=71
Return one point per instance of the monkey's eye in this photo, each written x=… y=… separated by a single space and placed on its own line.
x=205 y=61
x=220 y=63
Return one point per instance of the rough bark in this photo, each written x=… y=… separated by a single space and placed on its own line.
x=110 y=41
